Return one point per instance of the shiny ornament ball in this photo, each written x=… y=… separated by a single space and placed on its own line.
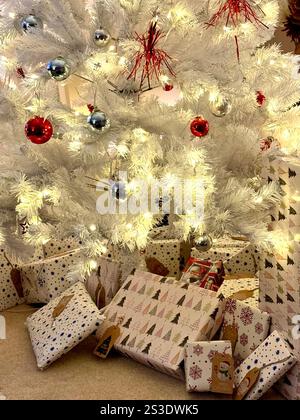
x=30 y=23
x=101 y=37
x=220 y=107
x=39 y=130
x=266 y=144
x=98 y=121
x=204 y=243
x=199 y=127
x=118 y=190
x=167 y=87
x=58 y=69
x=260 y=98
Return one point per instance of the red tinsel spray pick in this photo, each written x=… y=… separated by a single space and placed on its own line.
x=150 y=59
x=235 y=12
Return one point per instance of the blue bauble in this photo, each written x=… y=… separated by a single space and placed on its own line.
x=98 y=121
x=31 y=22
x=118 y=190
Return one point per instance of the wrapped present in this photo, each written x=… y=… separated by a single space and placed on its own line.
x=160 y=316
x=206 y=274
x=244 y=290
x=62 y=324
x=129 y=261
x=11 y=290
x=238 y=256
x=279 y=273
x=104 y=283
x=264 y=368
x=59 y=246
x=246 y=326
x=48 y=278
x=166 y=256
x=209 y=367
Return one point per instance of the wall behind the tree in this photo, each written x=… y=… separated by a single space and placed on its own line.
x=286 y=43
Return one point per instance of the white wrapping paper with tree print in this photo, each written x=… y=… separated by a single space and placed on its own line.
x=160 y=316
x=274 y=357
x=279 y=274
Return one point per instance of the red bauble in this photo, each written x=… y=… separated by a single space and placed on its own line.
x=199 y=127
x=39 y=130
x=91 y=108
x=260 y=97
x=168 y=87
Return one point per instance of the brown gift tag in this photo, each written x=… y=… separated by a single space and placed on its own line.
x=107 y=341
x=239 y=276
x=156 y=267
x=247 y=384
x=58 y=310
x=222 y=374
x=243 y=295
x=16 y=279
x=230 y=333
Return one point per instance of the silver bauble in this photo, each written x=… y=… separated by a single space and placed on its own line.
x=98 y=120
x=59 y=69
x=30 y=23
x=101 y=37
x=204 y=243
x=220 y=107
x=118 y=190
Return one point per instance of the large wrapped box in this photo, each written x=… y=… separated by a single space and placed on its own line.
x=247 y=326
x=159 y=317
x=279 y=274
x=11 y=291
x=46 y=279
x=238 y=256
x=62 y=324
x=166 y=256
x=271 y=361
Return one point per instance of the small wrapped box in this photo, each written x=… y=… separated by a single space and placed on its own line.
x=246 y=326
x=206 y=274
x=165 y=256
x=209 y=367
x=62 y=324
x=264 y=368
x=160 y=316
x=11 y=290
x=244 y=290
x=47 y=279
x=60 y=246
x=104 y=283
x=239 y=257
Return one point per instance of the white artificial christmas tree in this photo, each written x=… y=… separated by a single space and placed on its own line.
x=159 y=91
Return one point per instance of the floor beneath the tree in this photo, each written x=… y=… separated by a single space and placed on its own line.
x=79 y=375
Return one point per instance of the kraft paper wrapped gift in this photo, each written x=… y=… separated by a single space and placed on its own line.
x=279 y=274
x=239 y=257
x=248 y=326
x=200 y=362
x=244 y=290
x=166 y=256
x=46 y=279
x=273 y=358
x=62 y=324
x=160 y=316
x=104 y=283
x=11 y=290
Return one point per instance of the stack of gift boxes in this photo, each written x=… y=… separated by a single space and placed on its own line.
x=193 y=315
